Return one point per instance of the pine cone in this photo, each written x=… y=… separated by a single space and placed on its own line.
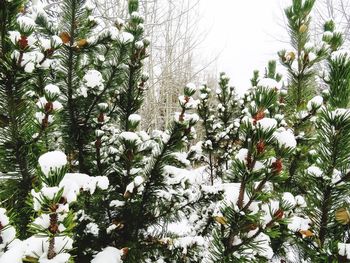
x=82 y=43
x=306 y=233
x=342 y=216
x=302 y=28
x=65 y=37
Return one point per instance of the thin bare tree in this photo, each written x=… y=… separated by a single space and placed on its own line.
x=172 y=27
x=337 y=10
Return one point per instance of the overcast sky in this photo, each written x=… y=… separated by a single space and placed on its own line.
x=245 y=34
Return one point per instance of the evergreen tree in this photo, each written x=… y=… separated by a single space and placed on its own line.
x=254 y=211
x=328 y=172
x=96 y=81
x=139 y=182
x=301 y=85
x=52 y=229
x=300 y=61
x=337 y=68
x=25 y=89
x=219 y=128
x=267 y=181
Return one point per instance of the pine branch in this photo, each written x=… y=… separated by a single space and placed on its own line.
x=155 y=170
x=74 y=130
x=326 y=202
x=99 y=96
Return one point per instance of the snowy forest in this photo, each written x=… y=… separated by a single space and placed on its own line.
x=115 y=148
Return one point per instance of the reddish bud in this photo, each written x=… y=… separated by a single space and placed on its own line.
x=48 y=107
x=53 y=208
x=260 y=147
x=127 y=195
x=143 y=52
x=249 y=160
x=278 y=214
x=277 y=166
x=119 y=224
x=45 y=122
x=182 y=117
x=101 y=117
x=53 y=228
x=23 y=42
x=258 y=116
x=63 y=200
x=49 y=52
x=130 y=155
x=22 y=9
x=306 y=233
x=82 y=43
x=252 y=226
x=125 y=251
x=98 y=143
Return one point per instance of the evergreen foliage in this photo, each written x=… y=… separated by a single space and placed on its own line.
x=220 y=130
x=266 y=180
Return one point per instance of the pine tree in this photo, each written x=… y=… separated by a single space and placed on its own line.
x=338 y=68
x=301 y=86
x=96 y=84
x=254 y=211
x=268 y=180
x=220 y=130
x=327 y=174
x=300 y=61
x=138 y=179
x=52 y=229
x=27 y=107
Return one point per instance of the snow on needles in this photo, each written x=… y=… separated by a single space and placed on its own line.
x=36 y=246
x=267 y=124
x=285 y=138
x=344 y=250
x=8 y=232
x=315 y=171
x=108 y=255
x=52 y=161
x=268 y=83
x=93 y=79
x=52 y=90
x=135 y=118
x=315 y=103
x=130 y=136
x=342 y=53
x=191 y=88
x=298 y=223
x=71 y=183
x=14 y=36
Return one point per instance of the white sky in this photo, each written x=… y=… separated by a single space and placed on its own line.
x=246 y=34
